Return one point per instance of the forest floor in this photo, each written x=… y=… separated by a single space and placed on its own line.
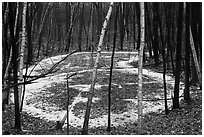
x=46 y=99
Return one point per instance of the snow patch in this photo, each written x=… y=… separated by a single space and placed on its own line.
x=124 y=64
x=85 y=87
x=116 y=119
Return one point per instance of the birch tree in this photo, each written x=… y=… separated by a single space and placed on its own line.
x=22 y=49
x=140 y=66
x=91 y=90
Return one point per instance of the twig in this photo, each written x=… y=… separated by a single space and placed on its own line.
x=35 y=66
x=42 y=75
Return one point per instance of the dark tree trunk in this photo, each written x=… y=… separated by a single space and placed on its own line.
x=5 y=47
x=15 y=66
x=67 y=105
x=164 y=59
x=68 y=36
x=68 y=20
x=80 y=28
x=138 y=25
x=148 y=30
x=168 y=41
x=178 y=58
x=155 y=36
x=187 y=56
x=199 y=18
x=134 y=22
x=29 y=19
x=121 y=26
x=111 y=70
x=126 y=16
x=194 y=26
x=41 y=26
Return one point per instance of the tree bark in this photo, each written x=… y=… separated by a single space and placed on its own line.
x=134 y=22
x=155 y=36
x=15 y=67
x=121 y=27
x=178 y=58
x=148 y=30
x=91 y=91
x=111 y=70
x=80 y=28
x=42 y=23
x=22 y=50
x=67 y=105
x=138 y=25
x=67 y=39
x=164 y=58
x=140 y=67
x=187 y=56
x=169 y=27
x=29 y=24
x=195 y=59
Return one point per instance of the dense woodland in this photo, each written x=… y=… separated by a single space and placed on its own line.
x=167 y=36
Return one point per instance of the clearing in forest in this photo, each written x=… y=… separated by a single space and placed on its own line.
x=46 y=97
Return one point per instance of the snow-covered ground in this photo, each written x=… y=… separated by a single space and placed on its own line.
x=116 y=119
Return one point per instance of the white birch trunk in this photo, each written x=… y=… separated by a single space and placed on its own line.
x=22 y=49
x=91 y=91
x=140 y=66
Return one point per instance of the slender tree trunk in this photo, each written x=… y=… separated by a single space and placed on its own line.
x=23 y=95
x=148 y=30
x=7 y=57
x=42 y=23
x=91 y=91
x=168 y=40
x=195 y=59
x=15 y=67
x=164 y=59
x=89 y=31
x=138 y=25
x=121 y=27
x=170 y=24
x=178 y=58
x=68 y=37
x=22 y=50
x=140 y=67
x=9 y=83
x=155 y=36
x=199 y=18
x=99 y=13
x=67 y=105
x=80 y=28
x=187 y=56
x=111 y=70
x=29 y=20
x=17 y=21
x=49 y=37
x=5 y=46
x=8 y=64
x=68 y=21
x=134 y=22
